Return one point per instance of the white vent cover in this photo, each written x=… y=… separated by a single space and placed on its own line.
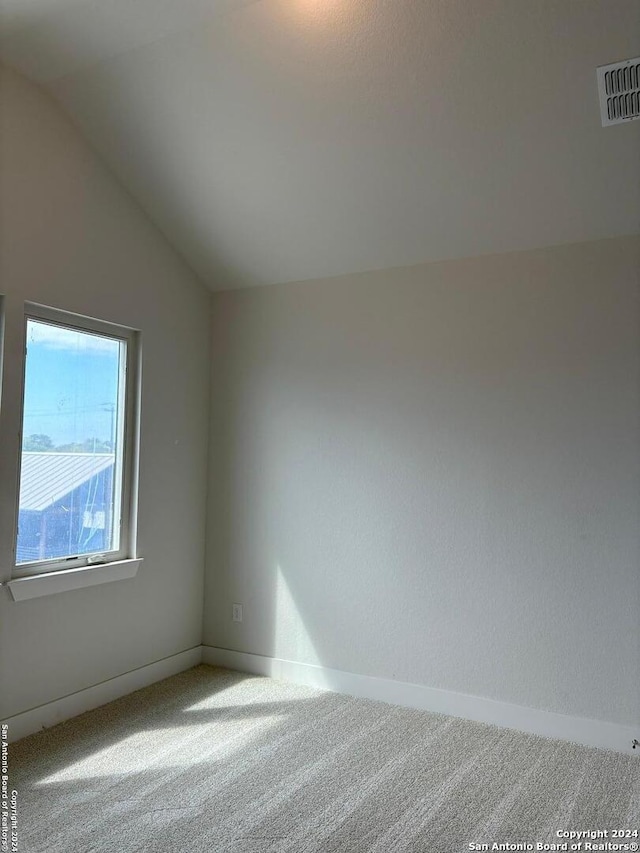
x=619 y=90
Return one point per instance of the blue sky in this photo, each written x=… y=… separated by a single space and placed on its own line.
x=71 y=384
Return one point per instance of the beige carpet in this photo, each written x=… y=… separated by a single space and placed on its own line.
x=212 y=760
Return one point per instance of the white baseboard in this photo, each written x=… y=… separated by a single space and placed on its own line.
x=598 y=733
x=55 y=712
x=545 y=723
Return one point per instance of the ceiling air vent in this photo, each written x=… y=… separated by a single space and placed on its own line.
x=619 y=90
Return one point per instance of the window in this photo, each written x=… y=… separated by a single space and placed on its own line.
x=77 y=457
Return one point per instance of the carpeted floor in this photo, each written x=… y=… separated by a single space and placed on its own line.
x=212 y=760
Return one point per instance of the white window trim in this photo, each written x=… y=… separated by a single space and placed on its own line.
x=65 y=580
x=59 y=575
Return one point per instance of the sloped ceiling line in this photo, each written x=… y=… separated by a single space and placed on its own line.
x=283 y=140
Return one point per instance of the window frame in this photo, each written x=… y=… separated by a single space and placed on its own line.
x=129 y=431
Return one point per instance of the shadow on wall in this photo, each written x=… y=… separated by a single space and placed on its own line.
x=425 y=480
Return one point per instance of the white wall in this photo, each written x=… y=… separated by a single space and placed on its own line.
x=73 y=239
x=431 y=474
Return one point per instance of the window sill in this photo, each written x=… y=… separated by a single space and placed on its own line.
x=64 y=580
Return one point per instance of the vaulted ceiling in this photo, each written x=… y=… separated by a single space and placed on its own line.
x=278 y=140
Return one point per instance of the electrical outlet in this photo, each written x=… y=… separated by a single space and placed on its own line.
x=237 y=613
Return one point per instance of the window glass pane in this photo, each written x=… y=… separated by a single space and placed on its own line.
x=72 y=443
